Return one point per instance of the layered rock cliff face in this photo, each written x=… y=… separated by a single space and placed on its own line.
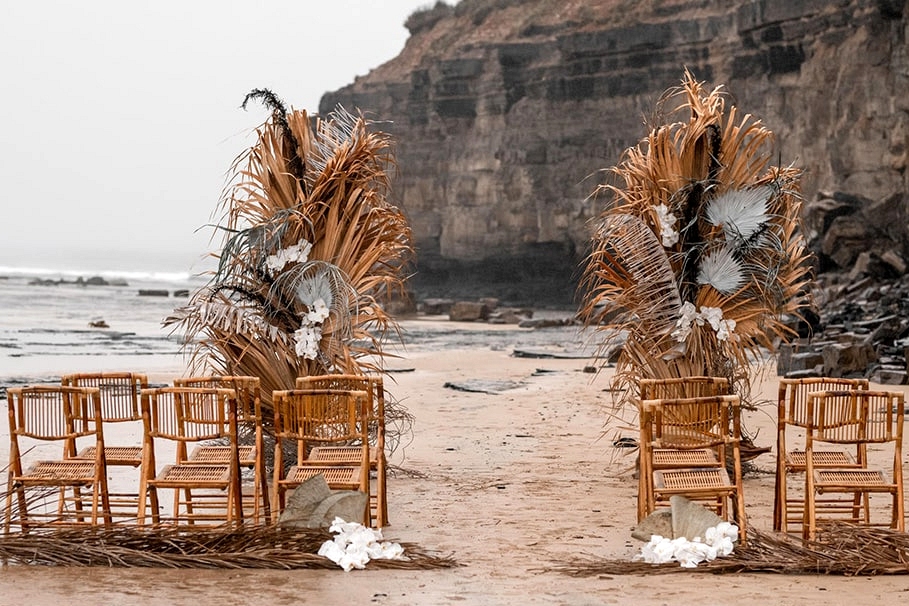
x=507 y=112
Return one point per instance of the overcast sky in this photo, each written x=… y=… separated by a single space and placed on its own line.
x=120 y=119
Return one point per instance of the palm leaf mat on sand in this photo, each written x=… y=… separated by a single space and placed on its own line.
x=259 y=547
x=847 y=550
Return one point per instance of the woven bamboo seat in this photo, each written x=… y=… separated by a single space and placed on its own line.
x=49 y=473
x=693 y=481
x=854 y=417
x=664 y=458
x=792 y=413
x=374 y=420
x=180 y=417
x=318 y=418
x=116 y=455
x=347 y=478
x=829 y=458
x=676 y=450
x=249 y=421
x=65 y=416
x=201 y=476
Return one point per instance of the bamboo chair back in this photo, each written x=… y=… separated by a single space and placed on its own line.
x=695 y=424
x=793 y=411
x=61 y=416
x=249 y=422
x=310 y=418
x=182 y=416
x=119 y=393
x=374 y=419
x=855 y=417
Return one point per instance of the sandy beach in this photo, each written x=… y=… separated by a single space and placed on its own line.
x=509 y=484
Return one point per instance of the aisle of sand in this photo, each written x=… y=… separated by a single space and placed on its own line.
x=508 y=484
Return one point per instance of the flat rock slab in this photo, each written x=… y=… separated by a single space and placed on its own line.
x=483 y=385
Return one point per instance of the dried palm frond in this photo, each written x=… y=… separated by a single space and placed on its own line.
x=845 y=549
x=311 y=248
x=255 y=547
x=727 y=224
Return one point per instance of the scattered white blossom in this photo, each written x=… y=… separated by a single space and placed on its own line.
x=309 y=334
x=356 y=544
x=718 y=541
x=295 y=253
x=687 y=315
x=713 y=316
x=668 y=233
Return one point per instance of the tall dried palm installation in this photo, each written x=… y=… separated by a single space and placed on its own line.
x=698 y=257
x=311 y=247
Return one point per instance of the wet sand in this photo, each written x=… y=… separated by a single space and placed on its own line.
x=508 y=484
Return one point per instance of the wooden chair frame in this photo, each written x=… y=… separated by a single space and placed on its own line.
x=182 y=416
x=793 y=413
x=374 y=387
x=120 y=404
x=49 y=414
x=854 y=417
x=667 y=458
x=249 y=418
x=691 y=425
x=311 y=418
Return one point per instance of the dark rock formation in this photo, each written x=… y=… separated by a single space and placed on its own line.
x=506 y=112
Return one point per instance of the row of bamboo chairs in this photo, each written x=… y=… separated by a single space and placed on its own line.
x=690 y=434
x=328 y=423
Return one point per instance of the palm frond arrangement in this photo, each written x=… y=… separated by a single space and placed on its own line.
x=311 y=248
x=699 y=256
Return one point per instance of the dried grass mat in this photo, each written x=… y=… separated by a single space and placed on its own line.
x=260 y=547
x=842 y=549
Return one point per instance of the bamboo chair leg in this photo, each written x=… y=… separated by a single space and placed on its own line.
x=382 y=504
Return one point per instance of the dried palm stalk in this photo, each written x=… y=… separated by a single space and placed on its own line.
x=311 y=248
x=256 y=547
x=843 y=549
x=705 y=292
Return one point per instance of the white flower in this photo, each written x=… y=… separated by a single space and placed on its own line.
x=668 y=234
x=687 y=314
x=356 y=544
x=318 y=312
x=295 y=253
x=713 y=316
x=307 y=339
x=718 y=542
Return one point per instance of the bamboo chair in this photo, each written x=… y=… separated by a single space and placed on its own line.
x=670 y=458
x=793 y=414
x=178 y=417
x=249 y=421
x=314 y=418
x=375 y=425
x=693 y=424
x=55 y=415
x=119 y=404
x=854 y=417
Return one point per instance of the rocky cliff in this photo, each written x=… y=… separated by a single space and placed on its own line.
x=507 y=112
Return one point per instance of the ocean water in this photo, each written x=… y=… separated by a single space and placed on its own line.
x=46 y=317
x=46 y=327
